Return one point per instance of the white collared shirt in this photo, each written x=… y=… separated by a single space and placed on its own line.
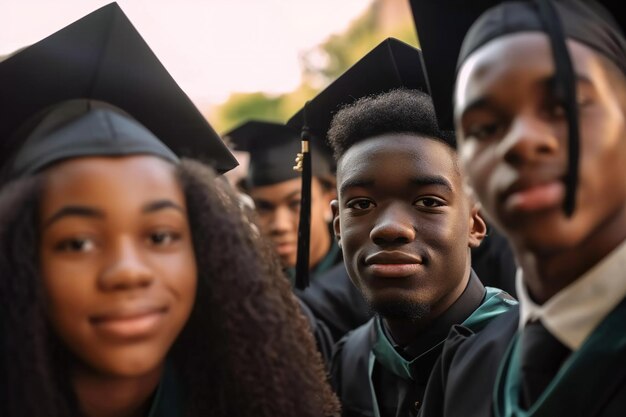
x=575 y=311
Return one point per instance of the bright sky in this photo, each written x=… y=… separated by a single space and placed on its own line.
x=211 y=47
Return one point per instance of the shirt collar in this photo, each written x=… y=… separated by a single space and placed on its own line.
x=575 y=311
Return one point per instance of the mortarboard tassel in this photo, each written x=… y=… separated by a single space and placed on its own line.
x=565 y=86
x=303 y=164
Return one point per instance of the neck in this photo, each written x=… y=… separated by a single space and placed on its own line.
x=548 y=272
x=105 y=396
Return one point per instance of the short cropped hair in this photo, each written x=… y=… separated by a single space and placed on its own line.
x=396 y=111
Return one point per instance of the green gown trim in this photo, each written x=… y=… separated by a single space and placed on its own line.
x=585 y=374
x=491 y=307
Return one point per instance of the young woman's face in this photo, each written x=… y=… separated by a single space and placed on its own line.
x=513 y=142
x=117 y=261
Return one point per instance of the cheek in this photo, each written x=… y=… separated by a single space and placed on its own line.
x=603 y=164
x=180 y=275
x=478 y=165
x=69 y=286
x=354 y=235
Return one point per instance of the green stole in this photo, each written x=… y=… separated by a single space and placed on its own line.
x=383 y=351
x=585 y=374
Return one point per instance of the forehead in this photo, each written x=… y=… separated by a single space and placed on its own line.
x=281 y=192
x=105 y=177
x=395 y=155
x=507 y=59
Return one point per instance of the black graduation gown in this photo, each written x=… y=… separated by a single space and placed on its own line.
x=494 y=262
x=168 y=399
x=335 y=301
x=330 y=302
x=473 y=376
x=367 y=386
x=323 y=337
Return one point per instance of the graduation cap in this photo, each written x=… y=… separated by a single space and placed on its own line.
x=450 y=30
x=102 y=57
x=82 y=127
x=272 y=147
x=390 y=65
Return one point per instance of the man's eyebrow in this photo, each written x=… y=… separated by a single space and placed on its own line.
x=355 y=183
x=160 y=205
x=427 y=180
x=75 y=210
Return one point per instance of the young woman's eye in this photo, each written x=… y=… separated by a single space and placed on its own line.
x=429 y=202
x=360 y=204
x=163 y=238
x=75 y=244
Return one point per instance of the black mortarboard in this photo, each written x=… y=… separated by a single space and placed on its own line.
x=103 y=57
x=450 y=30
x=390 y=65
x=78 y=128
x=272 y=148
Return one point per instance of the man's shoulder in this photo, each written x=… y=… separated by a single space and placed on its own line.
x=350 y=362
x=358 y=341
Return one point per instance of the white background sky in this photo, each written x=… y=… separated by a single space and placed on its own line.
x=211 y=47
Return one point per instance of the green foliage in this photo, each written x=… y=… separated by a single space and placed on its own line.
x=385 y=18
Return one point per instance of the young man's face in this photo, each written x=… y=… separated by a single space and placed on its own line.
x=513 y=143
x=278 y=212
x=405 y=224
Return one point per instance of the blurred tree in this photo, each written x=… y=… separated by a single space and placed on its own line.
x=322 y=64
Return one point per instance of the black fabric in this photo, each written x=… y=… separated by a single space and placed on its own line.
x=584 y=21
x=78 y=128
x=463 y=379
x=494 y=262
x=443 y=24
x=392 y=64
x=541 y=358
x=396 y=396
x=103 y=57
x=273 y=148
x=323 y=337
x=334 y=300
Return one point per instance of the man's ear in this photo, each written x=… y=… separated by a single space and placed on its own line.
x=334 y=205
x=478 y=226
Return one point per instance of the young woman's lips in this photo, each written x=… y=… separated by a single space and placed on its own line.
x=535 y=198
x=130 y=325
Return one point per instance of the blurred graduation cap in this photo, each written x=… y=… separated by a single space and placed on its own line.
x=452 y=29
x=390 y=65
x=272 y=148
x=102 y=57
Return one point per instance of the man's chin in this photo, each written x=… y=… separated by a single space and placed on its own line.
x=400 y=309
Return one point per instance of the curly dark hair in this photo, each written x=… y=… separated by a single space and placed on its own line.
x=245 y=351
x=396 y=111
